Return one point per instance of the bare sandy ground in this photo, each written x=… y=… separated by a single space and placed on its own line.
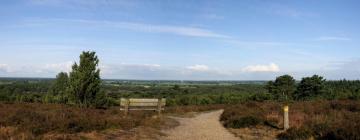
x=205 y=126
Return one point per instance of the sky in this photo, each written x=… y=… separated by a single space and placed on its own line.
x=182 y=39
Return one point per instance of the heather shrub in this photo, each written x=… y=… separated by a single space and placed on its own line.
x=296 y=134
x=39 y=119
x=246 y=121
x=318 y=119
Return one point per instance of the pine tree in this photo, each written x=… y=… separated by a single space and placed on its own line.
x=282 y=88
x=85 y=80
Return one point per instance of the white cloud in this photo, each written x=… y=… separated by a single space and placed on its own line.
x=198 y=68
x=142 y=27
x=57 y=67
x=152 y=65
x=333 y=38
x=4 y=68
x=108 y=69
x=272 y=67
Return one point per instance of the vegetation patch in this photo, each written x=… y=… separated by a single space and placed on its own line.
x=308 y=119
x=36 y=120
x=242 y=122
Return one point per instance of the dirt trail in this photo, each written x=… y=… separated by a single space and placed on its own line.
x=205 y=126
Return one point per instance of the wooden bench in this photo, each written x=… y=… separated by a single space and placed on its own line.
x=142 y=104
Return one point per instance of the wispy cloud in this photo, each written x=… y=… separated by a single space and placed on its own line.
x=241 y=43
x=142 y=27
x=198 y=68
x=83 y=3
x=333 y=38
x=289 y=11
x=272 y=67
x=213 y=16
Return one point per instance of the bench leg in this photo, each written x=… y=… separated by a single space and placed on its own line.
x=159 y=107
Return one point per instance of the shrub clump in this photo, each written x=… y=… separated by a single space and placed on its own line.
x=242 y=122
x=247 y=115
x=39 y=119
x=296 y=134
x=337 y=119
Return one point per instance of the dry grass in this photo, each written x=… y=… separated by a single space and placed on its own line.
x=45 y=121
x=56 y=121
x=310 y=119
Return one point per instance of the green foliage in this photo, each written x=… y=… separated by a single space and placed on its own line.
x=103 y=101
x=310 y=87
x=343 y=89
x=61 y=84
x=176 y=87
x=85 y=81
x=50 y=91
x=59 y=90
x=283 y=87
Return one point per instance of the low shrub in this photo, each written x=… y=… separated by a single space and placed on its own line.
x=319 y=119
x=350 y=106
x=250 y=114
x=39 y=119
x=242 y=122
x=296 y=134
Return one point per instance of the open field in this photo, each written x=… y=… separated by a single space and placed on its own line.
x=249 y=120
x=31 y=109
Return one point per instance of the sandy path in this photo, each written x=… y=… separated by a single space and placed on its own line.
x=205 y=126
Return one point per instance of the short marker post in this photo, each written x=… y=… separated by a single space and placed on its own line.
x=286 y=117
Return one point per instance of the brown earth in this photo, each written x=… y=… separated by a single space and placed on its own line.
x=204 y=126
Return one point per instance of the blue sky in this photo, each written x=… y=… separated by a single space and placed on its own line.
x=183 y=40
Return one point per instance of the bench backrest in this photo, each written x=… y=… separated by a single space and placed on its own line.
x=142 y=104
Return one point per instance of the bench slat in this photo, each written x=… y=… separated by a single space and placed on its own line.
x=142 y=104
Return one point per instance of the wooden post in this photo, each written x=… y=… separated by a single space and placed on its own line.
x=159 y=106
x=286 y=117
x=127 y=107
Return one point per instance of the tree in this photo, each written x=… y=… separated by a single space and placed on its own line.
x=61 y=83
x=310 y=87
x=282 y=88
x=176 y=87
x=85 y=80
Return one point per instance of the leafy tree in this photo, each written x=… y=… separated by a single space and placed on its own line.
x=176 y=87
x=282 y=88
x=85 y=80
x=310 y=87
x=61 y=83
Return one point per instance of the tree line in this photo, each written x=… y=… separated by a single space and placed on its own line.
x=83 y=86
x=315 y=87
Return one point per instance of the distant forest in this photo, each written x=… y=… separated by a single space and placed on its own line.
x=178 y=92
